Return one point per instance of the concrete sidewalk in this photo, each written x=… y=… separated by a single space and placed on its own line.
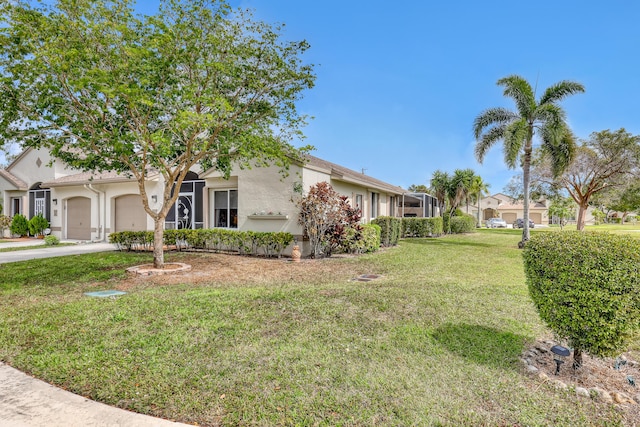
x=28 y=402
x=43 y=251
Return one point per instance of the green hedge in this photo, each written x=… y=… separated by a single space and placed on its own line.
x=462 y=224
x=390 y=229
x=586 y=287
x=422 y=227
x=19 y=225
x=214 y=239
x=365 y=241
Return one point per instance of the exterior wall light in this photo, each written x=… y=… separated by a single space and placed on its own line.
x=154 y=198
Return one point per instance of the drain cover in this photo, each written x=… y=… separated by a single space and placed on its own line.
x=103 y=294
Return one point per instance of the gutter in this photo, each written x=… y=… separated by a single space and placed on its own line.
x=101 y=228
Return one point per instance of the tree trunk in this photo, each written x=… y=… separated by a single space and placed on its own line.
x=526 y=172
x=577 y=358
x=158 y=243
x=582 y=210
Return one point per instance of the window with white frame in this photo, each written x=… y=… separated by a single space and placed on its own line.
x=16 y=206
x=225 y=208
x=375 y=198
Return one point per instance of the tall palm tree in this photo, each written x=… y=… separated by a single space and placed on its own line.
x=516 y=130
x=478 y=190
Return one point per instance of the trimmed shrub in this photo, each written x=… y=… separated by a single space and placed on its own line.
x=391 y=229
x=37 y=225
x=462 y=224
x=19 y=225
x=215 y=239
x=51 y=240
x=422 y=227
x=365 y=240
x=586 y=288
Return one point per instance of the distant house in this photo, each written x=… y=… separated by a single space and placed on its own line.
x=502 y=206
x=88 y=206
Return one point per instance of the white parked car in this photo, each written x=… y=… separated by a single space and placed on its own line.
x=496 y=223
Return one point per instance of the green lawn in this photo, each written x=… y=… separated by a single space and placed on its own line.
x=435 y=341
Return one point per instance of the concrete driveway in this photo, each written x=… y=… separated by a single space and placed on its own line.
x=43 y=251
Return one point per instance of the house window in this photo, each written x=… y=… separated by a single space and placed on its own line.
x=359 y=202
x=375 y=198
x=392 y=206
x=16 y=206
x=225 y=208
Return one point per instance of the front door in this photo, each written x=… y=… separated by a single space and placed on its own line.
x=184 y=211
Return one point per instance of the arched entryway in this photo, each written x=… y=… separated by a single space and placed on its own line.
x=187 y=211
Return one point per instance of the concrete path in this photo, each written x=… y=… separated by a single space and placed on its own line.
x=29 y=402
x=43 y=251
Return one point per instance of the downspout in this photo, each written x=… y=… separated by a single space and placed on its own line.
x=101 y=228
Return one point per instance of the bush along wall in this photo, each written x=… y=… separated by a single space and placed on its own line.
x=390 y=229
x=422 y=227
x=365 y=240
x=586 y=287
x=271 y=244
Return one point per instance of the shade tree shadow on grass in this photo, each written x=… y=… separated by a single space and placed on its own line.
x=481 y=345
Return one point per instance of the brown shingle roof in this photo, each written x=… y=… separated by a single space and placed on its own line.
x=14 y=180
x=344 y=174
x=91 y=178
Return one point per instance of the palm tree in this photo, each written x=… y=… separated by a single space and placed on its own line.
x=478 y=189
x=460 y=187
x=439 y=188
x=516 y=130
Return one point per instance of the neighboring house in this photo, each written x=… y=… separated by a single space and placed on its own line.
x=502 y=206
x=86 y=206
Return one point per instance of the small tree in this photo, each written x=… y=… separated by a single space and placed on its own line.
x=19 y=225
x=325 y=217
x=586 y=287
x=562 y=208
x=37 y=225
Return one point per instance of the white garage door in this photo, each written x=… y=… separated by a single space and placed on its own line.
x=79 y=218
x=130 y=214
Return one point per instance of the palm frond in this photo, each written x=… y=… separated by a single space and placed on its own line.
x=520 y=91
x=560 y=91
x=487 y=140
x=490 y=117
x=550 y=115
x=560 y=144
x=515 y=136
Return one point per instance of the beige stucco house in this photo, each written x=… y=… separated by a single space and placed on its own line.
x=86 y=206
x=502 y=206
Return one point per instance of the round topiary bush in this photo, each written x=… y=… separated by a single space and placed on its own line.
x=586 y=287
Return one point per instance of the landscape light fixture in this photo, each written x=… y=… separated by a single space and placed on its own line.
x=560 y=354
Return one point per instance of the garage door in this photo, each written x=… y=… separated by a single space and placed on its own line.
x=130 y=214
x=79 y=218
x=509 y=217
x=536 y=218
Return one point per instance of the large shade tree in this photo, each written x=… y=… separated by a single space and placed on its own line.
x=606 y=160
x=105 y=89
x=542 y=117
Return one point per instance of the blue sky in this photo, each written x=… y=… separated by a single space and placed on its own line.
x=399 y=83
